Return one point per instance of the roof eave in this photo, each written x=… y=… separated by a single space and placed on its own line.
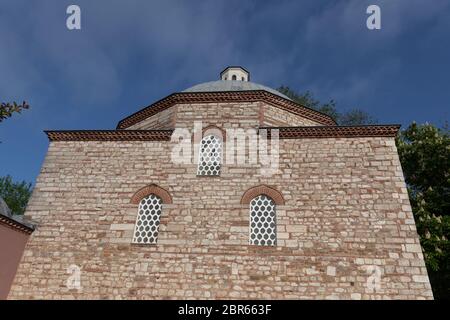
x=18 y=225
x=231 y=67
x=216 y=96
x=383 y=130
x=109 y=135
x=357 y=131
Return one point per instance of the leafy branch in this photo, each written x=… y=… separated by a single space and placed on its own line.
x=7 y=109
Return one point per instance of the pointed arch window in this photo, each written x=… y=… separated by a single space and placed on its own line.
x=210 y=156
x=263 y=228
x=146 y=228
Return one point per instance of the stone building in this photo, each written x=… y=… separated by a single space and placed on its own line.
x=120 y=216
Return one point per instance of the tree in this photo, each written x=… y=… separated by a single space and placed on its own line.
x=15 y=194
x=307 y=99
x=424 y=152
x=8 y=109
x=352 y=117
x=356 y=117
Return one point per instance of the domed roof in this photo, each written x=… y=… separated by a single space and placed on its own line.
x=231 y=85
x=232 y=78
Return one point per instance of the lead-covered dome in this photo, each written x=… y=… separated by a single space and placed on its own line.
x=232 y=79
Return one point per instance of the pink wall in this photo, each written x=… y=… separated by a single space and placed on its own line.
x=12 y=244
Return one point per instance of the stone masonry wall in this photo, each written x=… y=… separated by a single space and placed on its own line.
x=243 y=115
x=346 y=210
x=161 y=120
x=271 y=116
x=224 y=115
x=346 y=219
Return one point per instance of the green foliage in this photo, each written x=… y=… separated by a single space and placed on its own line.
x=355 y=117
x=349 y=118
x=424 y=152
x=15 y=194
x=8 y=109
x=307 y=99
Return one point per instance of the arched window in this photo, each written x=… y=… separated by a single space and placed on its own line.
x=233 y=77
x=147 y=222
x=263 y=223
x=210 y=156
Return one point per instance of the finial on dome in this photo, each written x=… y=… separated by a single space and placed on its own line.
x=235 y=73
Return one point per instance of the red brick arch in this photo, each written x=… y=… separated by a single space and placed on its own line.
x=210 y=130
x=251 y=193
x=214 y=130
x=151 y=189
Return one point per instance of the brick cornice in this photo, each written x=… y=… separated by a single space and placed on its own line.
x=109 y=135
x=226 y=96
x=165 y=196
x=334 y=131
x=284 y=133
x=13 y=224
x=251 y=193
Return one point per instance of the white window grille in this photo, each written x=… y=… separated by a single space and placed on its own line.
x=147 y=221
x=263 y=230
x=210 y=156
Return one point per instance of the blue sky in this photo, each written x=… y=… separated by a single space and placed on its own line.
x=129 y=54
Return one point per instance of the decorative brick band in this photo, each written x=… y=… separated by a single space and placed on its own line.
x=11 y=223
x=226 y=96
x=151 y=189
x=251 y=193
x=335 y=131
x=109 y=135
x=284 y=133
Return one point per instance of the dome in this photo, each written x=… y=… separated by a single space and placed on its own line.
x=231 y=85
x=233 y=79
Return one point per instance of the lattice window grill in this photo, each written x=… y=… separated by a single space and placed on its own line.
x=210 y=156
x=147 y=223
x=263 y=230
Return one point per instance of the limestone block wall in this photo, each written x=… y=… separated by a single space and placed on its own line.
x=162 y=120
x=273 y=116
x=239 y=114
x=345 y=231
x=224 y=115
